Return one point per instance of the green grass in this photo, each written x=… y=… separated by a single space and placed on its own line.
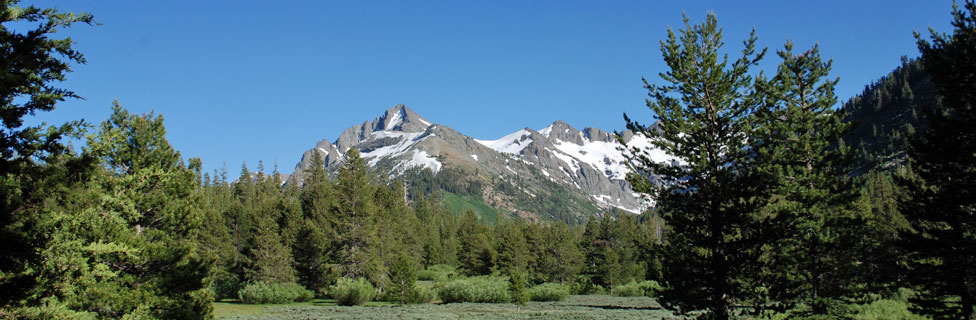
x=458 y=204
x=575 y=307
x=235 y=309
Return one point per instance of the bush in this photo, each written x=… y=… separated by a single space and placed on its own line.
x=549 y=292
x=884 y=309
x=414 y=295
x=438 y=273
x=485 y=289
x=584 y=285
x=420 y=294
x=648 y=288
x=349 y=292
x=894 y=308
x=226 y=286
x=273 y=293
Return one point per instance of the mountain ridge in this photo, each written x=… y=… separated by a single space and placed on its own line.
x=569 y=169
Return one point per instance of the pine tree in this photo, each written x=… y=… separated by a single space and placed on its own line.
x=354 y=211
x=561 y=258
x=533 y=233
x=440 y=239
x=707 y=198
x=809 y=208
x=216 y=239
x=123 y=244
x=403 y=276
x=34 y=163
x=516 y=287
x=477 y=255
x=315 y=250
x=941 y=207
x=513 y=251
x=269 y=259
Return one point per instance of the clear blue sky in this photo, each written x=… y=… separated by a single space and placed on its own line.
x=265 y=80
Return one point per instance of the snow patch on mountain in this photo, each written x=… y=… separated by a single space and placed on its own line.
x=406 y=140
x=397 y=118
x=568 y=159
x=512 y=144
x=546 y=131
x=646 y=146
x=421 y=159
x=603 y=156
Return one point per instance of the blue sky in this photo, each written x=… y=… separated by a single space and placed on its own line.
x=265 y=80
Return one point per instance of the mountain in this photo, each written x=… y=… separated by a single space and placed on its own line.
x=557 y=173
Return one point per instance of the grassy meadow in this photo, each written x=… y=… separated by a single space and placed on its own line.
x=575 y=307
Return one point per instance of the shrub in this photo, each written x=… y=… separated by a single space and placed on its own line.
x=485 y=289
x=884 y=309
x=273 y=293
x=226 y=286
x=648 y=288
x=584 y=285
x=414 y=295
x=438 y=273
x=420 y=294
x=349 y=292
x=894 y=308
x=549 y=292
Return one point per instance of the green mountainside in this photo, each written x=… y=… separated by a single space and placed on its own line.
x=887 y=114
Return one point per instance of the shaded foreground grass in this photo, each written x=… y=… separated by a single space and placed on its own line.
x=575 y=307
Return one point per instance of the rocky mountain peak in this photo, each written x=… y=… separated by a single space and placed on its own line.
x=398 y=118
x=401 y=118
x=562 y=131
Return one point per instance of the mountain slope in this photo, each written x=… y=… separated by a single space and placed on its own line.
x=887 y=114
x=558 y=172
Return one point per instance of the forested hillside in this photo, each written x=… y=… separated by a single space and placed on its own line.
x=887 y=115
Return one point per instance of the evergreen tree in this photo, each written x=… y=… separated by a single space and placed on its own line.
x=561 y=259
x=707 y=194
x=603 y=263
x=880 y=266
x=315 y=249
x=533 y=233
x=403 y=276
x=355 y=208
x=269 y=259
x=516 y=287
x=513 y=251
x=440 y=241
x=610 y=254
x=941 y=207
x=477 y=255
x=34 y=163
x=215 y=237
x=809 y=210
x=122 y=246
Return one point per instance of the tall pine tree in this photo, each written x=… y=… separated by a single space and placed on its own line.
x=942 y=203
x=703 y=111
x=809 y=209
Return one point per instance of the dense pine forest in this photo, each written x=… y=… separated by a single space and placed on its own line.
x=783 y=202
